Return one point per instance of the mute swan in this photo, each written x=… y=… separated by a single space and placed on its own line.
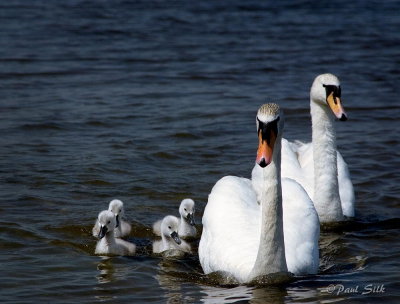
x=170 y=239
x=123 y=228
x=318 y=166
x=108 y=244
x=186 y=223
x=244 y=231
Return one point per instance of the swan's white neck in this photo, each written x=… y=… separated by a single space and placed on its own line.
x=326 y=187
x=271 y=251
x=167 y=242
x=109 y=238
x=183 y=225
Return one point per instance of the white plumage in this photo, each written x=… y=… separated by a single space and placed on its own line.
x=108 y=244
x=186 y=227
x=124 y=228
x=233 y=224
x=170 y=239
x=318 y=166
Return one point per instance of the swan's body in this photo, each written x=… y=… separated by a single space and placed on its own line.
x=123 y=228
x=244 y=231
x=318 y=166
x=170 y=239
x=186 y=222
x=108 y=244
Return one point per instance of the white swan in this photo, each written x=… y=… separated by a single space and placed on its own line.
x=108 y=244
x=318 y=166
x=244 y=232
x=170 y=239
x=123 y=228
x=186 y=222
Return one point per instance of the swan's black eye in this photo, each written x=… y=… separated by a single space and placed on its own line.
x=185 y=209
x=109 y=222
x=169 y=227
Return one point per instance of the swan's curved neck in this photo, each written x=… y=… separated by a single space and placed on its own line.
x=183 y=223
x=109 y=238
x=167 y=242
x=271 y=250
x=326 y=187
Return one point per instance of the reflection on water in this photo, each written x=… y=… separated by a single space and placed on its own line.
x=243 y=294
x=215 y=295
x=107 y=270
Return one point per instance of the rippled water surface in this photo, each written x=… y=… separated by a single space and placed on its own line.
x=154 y=101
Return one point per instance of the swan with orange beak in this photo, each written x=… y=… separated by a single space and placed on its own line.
x=318 y=166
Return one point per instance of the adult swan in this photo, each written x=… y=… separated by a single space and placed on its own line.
x=249 y=238
x=318 y=166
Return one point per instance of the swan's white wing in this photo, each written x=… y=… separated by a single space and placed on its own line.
x=346 y=190
x=301 y=229
x=298 y=164
x=231 y=228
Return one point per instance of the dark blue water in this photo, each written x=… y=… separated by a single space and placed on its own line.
x=154 y=101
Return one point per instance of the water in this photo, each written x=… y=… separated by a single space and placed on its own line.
x=151 y=102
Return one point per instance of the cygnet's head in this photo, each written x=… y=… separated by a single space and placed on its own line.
x=169 y=228
x=117 y=207
x=326 y=92
x=107 y=223
x=186 y=210
x=269 y=127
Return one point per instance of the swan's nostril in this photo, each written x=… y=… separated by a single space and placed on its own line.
x=343 y=118
x=262 y=163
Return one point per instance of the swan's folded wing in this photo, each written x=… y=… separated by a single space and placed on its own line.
x=346 y=190
x=231 y=228
x=297 y=163
x=301 y=229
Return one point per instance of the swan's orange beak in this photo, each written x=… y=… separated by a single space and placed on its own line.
x=335 y=104
x=265 y=149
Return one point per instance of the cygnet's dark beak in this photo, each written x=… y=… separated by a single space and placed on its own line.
x=103 y=231
x=117 y=220
x=190 y=219
x=176 y=238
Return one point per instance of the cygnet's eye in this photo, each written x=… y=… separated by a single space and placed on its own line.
x=109 y=222
x=185 y=209
x=169 y=227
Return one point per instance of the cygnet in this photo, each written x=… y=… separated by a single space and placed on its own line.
x=108 y=244
x=123 y=228
x=187 y=224
x=170 y=239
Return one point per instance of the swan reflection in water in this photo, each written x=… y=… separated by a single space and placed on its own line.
x=111 y=271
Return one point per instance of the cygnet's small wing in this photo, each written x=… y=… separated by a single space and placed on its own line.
x=96 y=229
x=157 y=227
x=125 y=228
x=157 y=246
x=127 y=248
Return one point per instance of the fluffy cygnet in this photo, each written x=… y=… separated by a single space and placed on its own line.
x=170 y=239
x=108 y=244
x=123 y=228
x=186 y=222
